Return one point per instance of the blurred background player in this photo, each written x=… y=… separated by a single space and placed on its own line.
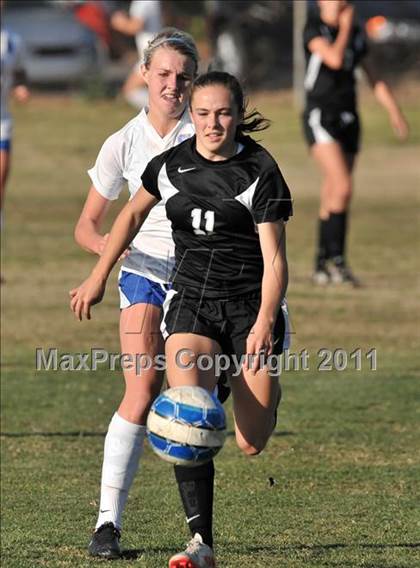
x=170 y=64
x=334 y=45
x=143 y=21
x=13 y=82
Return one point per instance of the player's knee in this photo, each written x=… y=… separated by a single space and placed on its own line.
x=150 y=344
x=252 y=448
x=344 y=187
x=341 y=197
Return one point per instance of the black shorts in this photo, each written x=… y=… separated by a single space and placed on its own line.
x=321 y=126
x=226 y=321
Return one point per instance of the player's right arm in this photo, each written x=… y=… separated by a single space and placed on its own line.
x=87 y=232
x=107 y=182
x=332 y=54
x=123 y=231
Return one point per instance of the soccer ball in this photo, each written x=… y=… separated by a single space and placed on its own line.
x=186 y=426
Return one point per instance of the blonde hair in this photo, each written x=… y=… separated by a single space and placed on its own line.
x=175 y=39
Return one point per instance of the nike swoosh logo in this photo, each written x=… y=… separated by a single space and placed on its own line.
x=183 y=170
x=192 y=518
x=104 y=510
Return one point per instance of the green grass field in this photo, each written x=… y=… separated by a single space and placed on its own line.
x=346 y=456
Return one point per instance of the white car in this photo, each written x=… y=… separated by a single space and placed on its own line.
x=57 y=48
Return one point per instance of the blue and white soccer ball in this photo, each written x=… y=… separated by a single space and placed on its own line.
x=186 y=426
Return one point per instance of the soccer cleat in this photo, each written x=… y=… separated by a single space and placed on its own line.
x=105 y=542
x=321 y=277
x=196 y=555
x=341 y=274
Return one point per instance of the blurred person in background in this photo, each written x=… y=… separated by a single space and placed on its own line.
x=94 y=15
x=170 y=64
x=13 y=83
x=334 y=45
x=143 y=21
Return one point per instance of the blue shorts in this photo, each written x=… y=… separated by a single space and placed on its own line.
x=136 y=289
x=6 y=145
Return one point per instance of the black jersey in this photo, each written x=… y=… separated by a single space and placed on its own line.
x=214 y=208
x=326 y=88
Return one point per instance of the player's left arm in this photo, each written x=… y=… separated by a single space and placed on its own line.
x=386 y=98
x=272 y=237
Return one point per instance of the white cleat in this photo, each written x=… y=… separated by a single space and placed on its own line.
x=321 y=277
x=341 y=274
x=196 y=555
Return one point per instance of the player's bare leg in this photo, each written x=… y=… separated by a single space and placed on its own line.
x=182 y=350
x=255 y=400
x=336 y=173
x=336 y=194
x=139 y=334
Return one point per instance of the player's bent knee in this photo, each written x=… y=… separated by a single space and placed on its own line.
x=252 y=448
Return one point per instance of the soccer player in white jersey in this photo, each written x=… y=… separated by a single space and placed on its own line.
x=169 y=66
x=228 y=202
x=143 y=21
x=13 y=82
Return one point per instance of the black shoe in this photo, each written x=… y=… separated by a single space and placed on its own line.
x=105 y=542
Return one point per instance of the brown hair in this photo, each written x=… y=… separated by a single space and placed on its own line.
x=251 y=121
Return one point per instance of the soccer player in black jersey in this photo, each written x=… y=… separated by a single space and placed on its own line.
x=228 y=203
x=334 y=45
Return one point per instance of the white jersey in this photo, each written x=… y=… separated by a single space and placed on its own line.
x=123 y=159
x=11 y=61
x=148 y=11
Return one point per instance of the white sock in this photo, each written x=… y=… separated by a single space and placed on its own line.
x=138 y=98
x=122 y=450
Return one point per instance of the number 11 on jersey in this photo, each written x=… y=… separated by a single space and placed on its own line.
x=208 y=227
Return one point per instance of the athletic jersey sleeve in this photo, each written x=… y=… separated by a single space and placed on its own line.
x=310 y=31
x=150 y=176
x=272 y=200
x=107 y=173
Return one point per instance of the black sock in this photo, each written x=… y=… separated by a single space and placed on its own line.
x=322 y=252
x=196 y=490
x=336 y=234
